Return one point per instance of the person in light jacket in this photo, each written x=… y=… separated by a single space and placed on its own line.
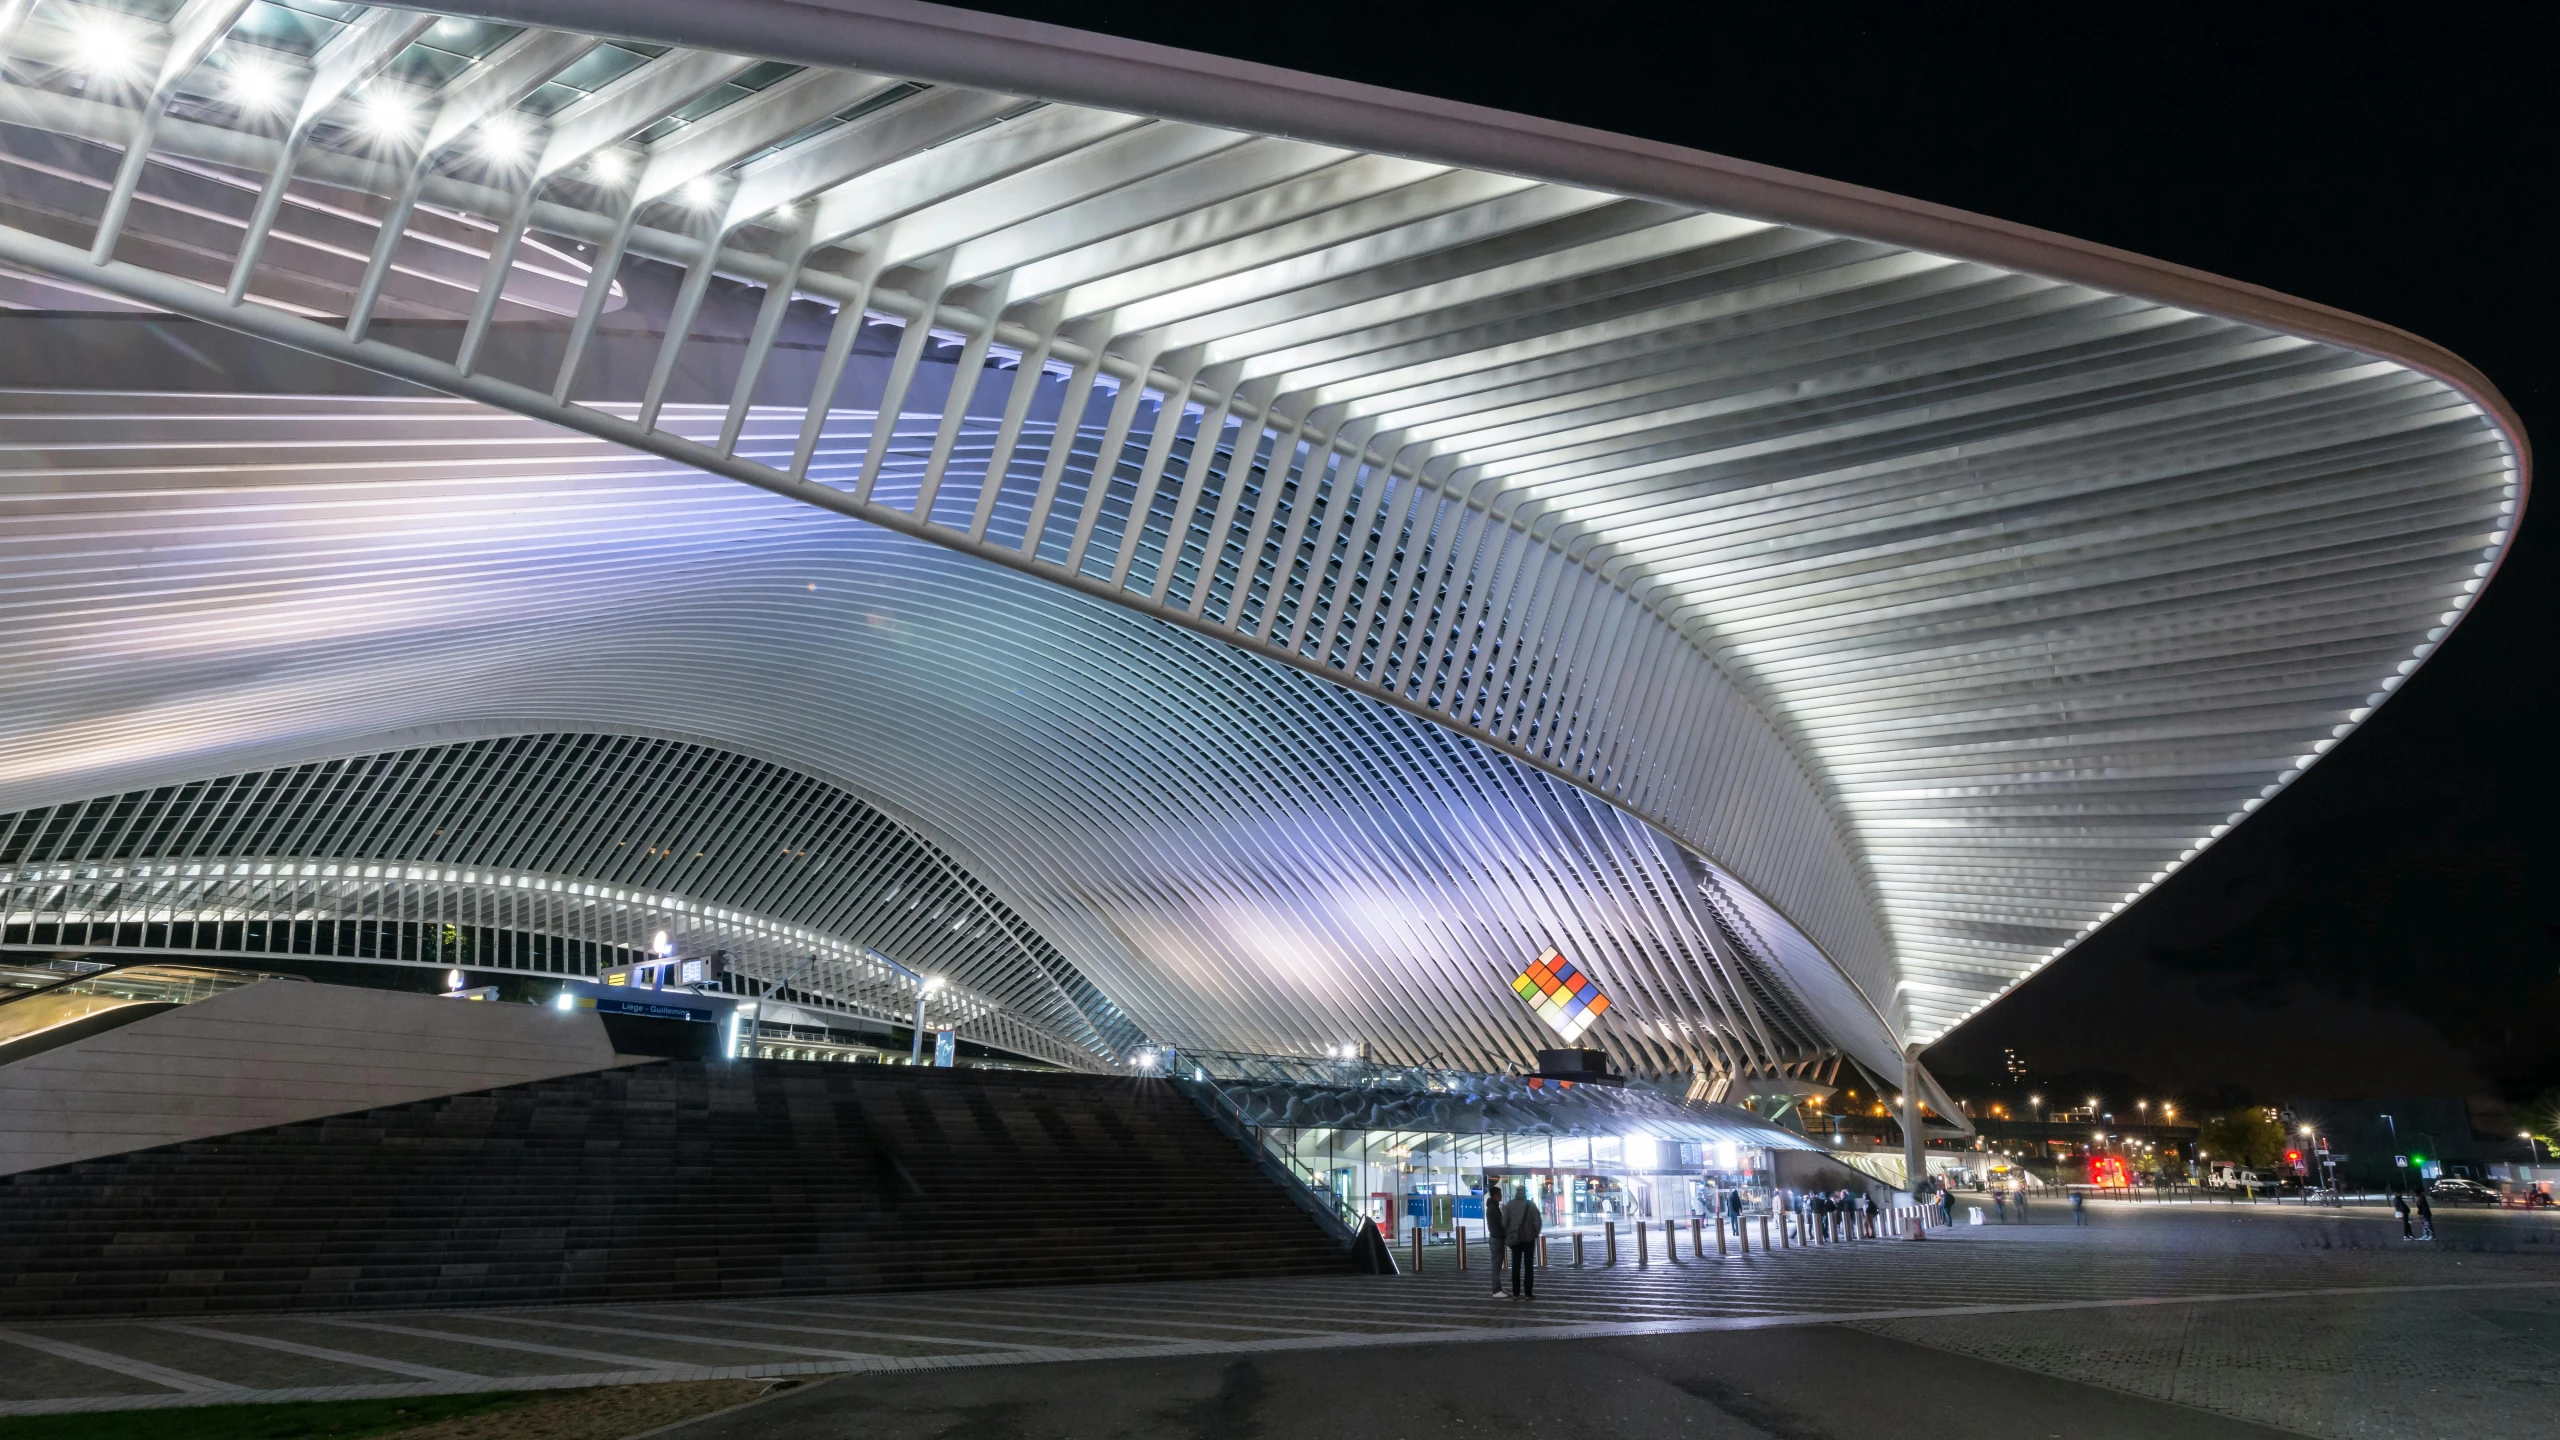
x=1520 y=1226
x=1495 y=1229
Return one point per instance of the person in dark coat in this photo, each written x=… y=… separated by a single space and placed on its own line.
x=2400 y=1203
x=1520 y=1224
x=2426 y=1216
x=1494 y=1231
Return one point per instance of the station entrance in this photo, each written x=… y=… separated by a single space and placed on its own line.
x=1406 y=1146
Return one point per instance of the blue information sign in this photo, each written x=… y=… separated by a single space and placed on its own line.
x=945 y=1046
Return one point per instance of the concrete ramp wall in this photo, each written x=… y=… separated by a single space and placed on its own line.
x=273 y=1053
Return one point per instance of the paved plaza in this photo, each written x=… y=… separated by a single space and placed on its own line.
x=2314 y=1322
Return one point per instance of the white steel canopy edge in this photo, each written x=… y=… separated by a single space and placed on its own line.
x=1932 y=981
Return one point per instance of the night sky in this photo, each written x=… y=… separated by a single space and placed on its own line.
x=2391 y=923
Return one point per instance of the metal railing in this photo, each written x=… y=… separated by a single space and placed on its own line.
x=1339 y=1217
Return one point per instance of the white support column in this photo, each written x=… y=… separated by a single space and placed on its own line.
x=1061 y=441
x=717 y=224
x=1185 y=370
x=902 y=374
x=1027 y=376
x=964 y=387
x=1106 y=461
x=1915 y=1145
x=1195 y=475
x=769 y=318
x=1256 y=418
x=192 y=32
x=355 y=56
x=840 y=341
x=493 y=277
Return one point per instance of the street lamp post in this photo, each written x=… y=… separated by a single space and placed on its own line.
x=925 y=985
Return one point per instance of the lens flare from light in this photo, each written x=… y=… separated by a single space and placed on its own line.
x=505 y=139
x=104 y=47
x=255 y=85
x=386 y=116
x=700 y=192
x=609 y=167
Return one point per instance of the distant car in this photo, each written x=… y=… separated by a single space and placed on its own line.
x=2459 y=1191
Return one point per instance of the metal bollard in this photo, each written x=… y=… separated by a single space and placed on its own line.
x=1697 y=1237
x=1720 y=1234
x=1786 y=1229
x=1577 y=1249
x=1670 y=1243
x=1642 y=1258
x=1764 y=1232
x=1608 y=1242
x=1417 y=1249
x=1462 y=1247
x=1542 y=1252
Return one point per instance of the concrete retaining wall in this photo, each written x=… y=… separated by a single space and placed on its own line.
x=273 y=1053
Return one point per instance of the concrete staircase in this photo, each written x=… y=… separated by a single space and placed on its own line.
x=664 y=1181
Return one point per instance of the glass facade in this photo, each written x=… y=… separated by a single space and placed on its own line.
x=1404 y=1178
x=1416 y=1146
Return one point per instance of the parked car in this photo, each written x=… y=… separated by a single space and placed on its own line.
x=2454 y=1189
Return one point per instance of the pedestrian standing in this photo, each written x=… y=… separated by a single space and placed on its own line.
x=2426 y=1216
x=2022 y=1204
x=2000 y=1203
x=2400 y=1203
x=1521 y=1223
x=2079 y=1208
x=1495 y=1234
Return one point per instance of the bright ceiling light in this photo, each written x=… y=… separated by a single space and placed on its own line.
x=104 y=45
x=386 y=115
x=700 y=192
x=609 y=167
x=505 y=138
x=254 y=84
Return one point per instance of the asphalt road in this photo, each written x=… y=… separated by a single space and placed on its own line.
x=1801 y=1383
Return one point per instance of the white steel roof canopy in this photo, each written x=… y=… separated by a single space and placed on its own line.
x=1938 y=586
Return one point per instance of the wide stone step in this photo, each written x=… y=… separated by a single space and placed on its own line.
x=668 y=1181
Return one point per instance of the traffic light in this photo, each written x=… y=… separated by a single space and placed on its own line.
x=2293 y=1158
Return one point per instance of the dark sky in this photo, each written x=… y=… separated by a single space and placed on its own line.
x=2391 y=923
